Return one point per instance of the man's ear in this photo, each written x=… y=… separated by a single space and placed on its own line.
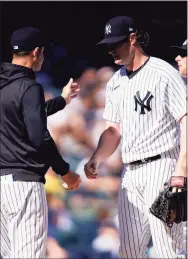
x=132 y=38
x=36 y=52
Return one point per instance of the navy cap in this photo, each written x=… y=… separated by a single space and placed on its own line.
x=118 y=29
x=26 y=39
x=180 y=50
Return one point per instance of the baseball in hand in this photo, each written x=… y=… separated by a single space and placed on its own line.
x=65 y=185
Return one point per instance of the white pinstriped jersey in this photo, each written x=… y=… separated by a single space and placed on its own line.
x=148 y=106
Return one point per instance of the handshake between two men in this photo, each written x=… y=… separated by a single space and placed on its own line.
x=72 y=180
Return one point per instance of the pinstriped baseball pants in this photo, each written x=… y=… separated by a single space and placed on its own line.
x=23 y=218
x=139 y=187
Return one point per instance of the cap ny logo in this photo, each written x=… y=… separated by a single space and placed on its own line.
x=108 y=29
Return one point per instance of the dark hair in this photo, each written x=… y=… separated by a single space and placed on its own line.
x=23 y=53
x=142 y=38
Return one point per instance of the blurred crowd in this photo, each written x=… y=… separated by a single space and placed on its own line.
x=82 y=223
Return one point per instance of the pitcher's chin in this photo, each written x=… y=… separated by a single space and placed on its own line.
x=118 y=61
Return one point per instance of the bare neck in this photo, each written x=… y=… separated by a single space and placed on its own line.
x=137 y=61
x=21 y=61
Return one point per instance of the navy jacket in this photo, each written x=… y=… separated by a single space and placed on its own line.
x=26 y=148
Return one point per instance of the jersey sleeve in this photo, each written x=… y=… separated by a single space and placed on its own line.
x=175 y=96
x=111 y=111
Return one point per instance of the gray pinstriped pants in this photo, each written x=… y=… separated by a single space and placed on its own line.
x=140 y=186
x=23 y=218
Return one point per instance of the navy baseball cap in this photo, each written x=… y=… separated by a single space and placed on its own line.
x=118 y=29
x=180 y=50
x=27 y=39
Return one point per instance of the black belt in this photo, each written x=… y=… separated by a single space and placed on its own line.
x=145 y=160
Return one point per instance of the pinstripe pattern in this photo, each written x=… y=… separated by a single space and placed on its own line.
x=5 y=242
x=156 y=131
x=23 y=220
x=147 y=105
x=140 y=186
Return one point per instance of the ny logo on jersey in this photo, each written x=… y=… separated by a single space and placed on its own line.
x=108 y=29
x=147 y=100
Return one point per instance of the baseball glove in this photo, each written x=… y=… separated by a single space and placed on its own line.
x=171 y=204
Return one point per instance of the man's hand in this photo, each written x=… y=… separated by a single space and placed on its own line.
x=91 y=168
x=71 y=181
x=70 y=91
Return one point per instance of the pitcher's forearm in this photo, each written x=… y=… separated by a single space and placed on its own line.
x=108 y=143
x=181 y=167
